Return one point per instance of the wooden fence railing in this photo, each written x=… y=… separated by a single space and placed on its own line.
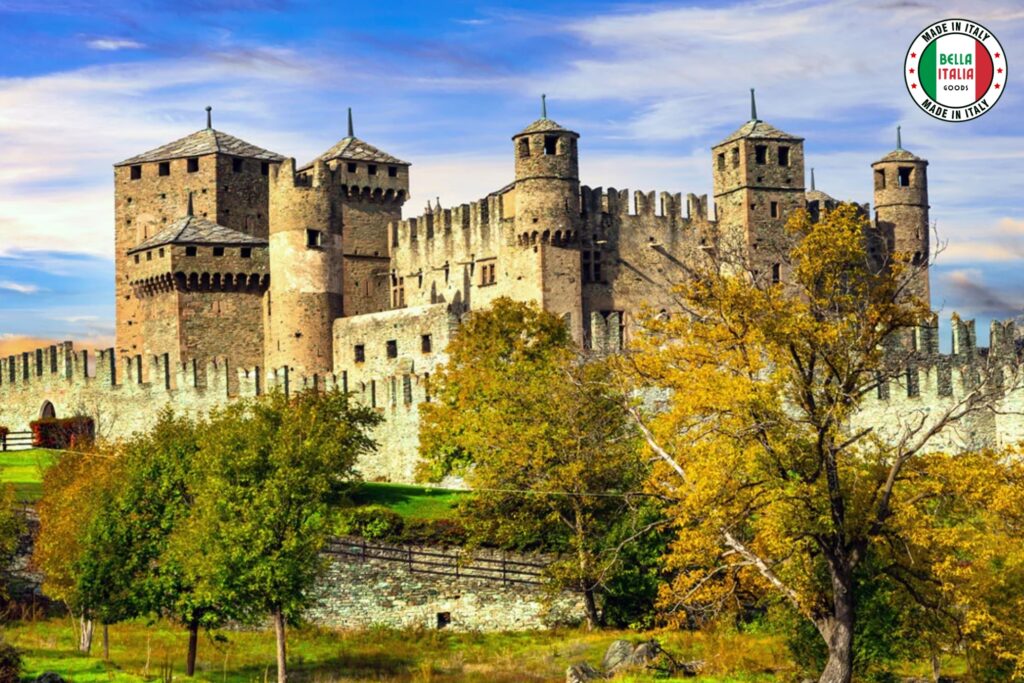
x=456 y=564
x=16 y=441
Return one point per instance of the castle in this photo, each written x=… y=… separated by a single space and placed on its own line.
x=238 y=270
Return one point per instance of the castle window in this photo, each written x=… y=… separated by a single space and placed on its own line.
x=245 y=252
x=136 y=258
x=591 y=266
x=236 y=165
x=775 y=209
x=913 y=387
x=164 y=168
x=218 y=251
x=135 y=172
x=352 y=167
x=360 y=353
x=735 y=157
x=193 y=164
x=191 y=251
x=426 y=387
x=407 y=389
x=550 y=144
x=161 y=252
x=425 y=344
x=265 y=168
x=761 y=154
x=524 y=147
x=721 y=161
x=880 y=179
x=392 y=171
x=783 y=156
x=776 y=273
x=314 y=239
x=903 y=179
x=371 y=169
x=392 y=348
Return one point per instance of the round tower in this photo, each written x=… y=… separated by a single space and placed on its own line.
x=306 y=257
x=547 y=178
x=901 y=210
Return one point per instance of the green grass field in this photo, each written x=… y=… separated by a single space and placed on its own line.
x=139 y=652
x=412 y=502
x=24 y=469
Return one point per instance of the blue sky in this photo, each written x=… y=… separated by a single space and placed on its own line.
x=650 y=87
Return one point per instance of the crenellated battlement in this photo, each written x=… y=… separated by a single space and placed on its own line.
x=612 y=202
x=335 y=179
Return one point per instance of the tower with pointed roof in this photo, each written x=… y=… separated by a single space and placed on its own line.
x=901 y=210
x=228 y=178
x=329 y=247
x=758 y=178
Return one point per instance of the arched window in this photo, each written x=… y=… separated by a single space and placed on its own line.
x=47 y=411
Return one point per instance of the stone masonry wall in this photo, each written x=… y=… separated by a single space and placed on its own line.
x=363 y=593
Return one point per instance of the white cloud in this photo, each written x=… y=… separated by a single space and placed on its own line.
x=112 y=44
x=18 y=287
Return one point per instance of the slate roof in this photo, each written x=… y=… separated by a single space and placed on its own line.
x=900 y=155
x=353 y=149
x=196 y=230
x=543 y=125
x=202 y=142
x=819 y=196
x=758 y=129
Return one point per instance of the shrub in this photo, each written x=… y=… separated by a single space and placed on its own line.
x=10 y=663
x=65 y=432
x=444 y=532
x=371 y=522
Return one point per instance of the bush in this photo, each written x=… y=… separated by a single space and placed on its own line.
x=68 y=432
x=371 y=522
x=443 y=532
x=10 y=663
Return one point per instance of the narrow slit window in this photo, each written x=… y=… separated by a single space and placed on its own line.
x=360 y=353
x=776 y=273
x=775 y=209
x=783 y=156
x=264 y=168
x=425 y=343
x=721 y=161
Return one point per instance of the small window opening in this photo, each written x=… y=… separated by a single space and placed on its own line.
x=149 y=256
x=193 y=164
x=735 y=157
x=136 y=258
x=904 y=176
x=161 y=252
x=880 y=179
x=524 y=147
x=550 y=144
x=783 y=156
x=392 y=347
x=218 y=251
x=721 y=161
x=352 y=167
x=264 y=168
x=245 y=252
x=371 y=169
x=776 y=273
x=425 y=344
x=236 y=165
x=392 y=171
x=761 y=154
x=444 y=619
x=314 y=239
x=775 y=209
x=360 y=353
x=191 y=251
x=164 y=168
x=136 y=172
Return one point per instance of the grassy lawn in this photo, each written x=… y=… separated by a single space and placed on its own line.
x=24 y=469
x=412 y=502
x=139 y=653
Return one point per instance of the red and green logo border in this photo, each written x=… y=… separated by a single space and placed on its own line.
x=991 y=62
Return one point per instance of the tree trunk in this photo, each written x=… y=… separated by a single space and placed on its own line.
x=282 y=670
x=590 y=605
x=839 y=634
x=106 y=642
x=193 y=643
x=85 y=627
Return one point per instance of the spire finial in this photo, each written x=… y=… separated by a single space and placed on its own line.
x=899 y=138
x=812 y=178
x=753 y=106
x=188 y=210
x=543 y=106
x=209 y=117
x=351 y=129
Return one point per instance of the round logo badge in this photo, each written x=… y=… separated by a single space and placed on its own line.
x=955 y=70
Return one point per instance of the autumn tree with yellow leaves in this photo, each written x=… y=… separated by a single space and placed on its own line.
x=781 y=489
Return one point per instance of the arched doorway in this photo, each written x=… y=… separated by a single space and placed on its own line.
x=47 y=412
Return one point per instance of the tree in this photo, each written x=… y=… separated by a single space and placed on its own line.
x=541 y=437
x=74 y=488
x=12 y=526
x=127 y=567
x=266 y=470
x=779 y=486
